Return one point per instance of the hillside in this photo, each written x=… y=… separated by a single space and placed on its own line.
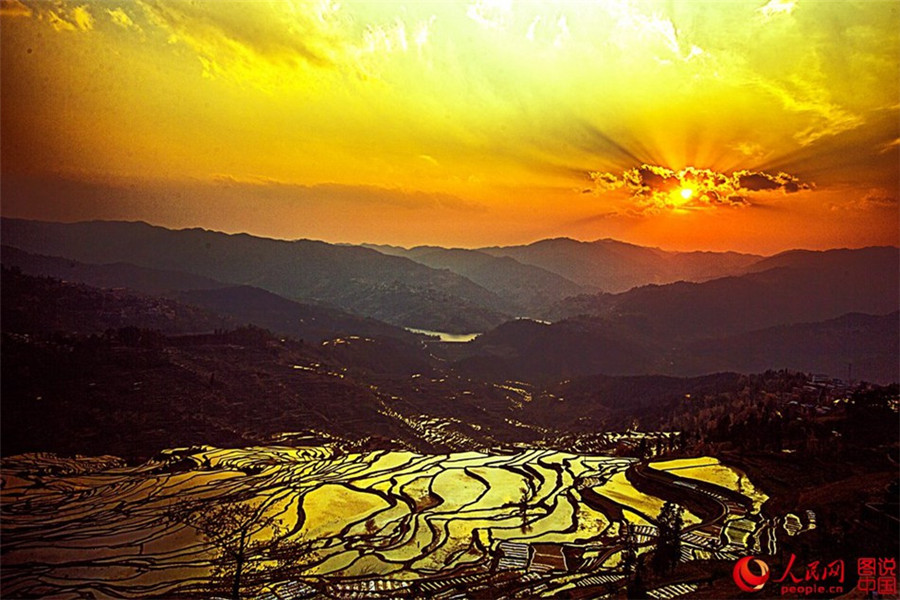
x=239 y=304
x=836 y=260
x=580 y=346
x=613 y=266
x=371 y=463
x=531 y=351
x=356 y=279
x=344 y=525
x=114 y=275
x=823 y=286
x=45 y=306
x=529 y=287
x=89 y=370
x=784 y=317
x=248 y=304
x=857 y=346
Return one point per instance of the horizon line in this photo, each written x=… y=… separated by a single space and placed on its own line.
x=438 y=246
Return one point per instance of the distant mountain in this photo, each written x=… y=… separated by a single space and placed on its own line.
x=613 y=266
x=242 y=304
x=528 y=287
x=360 y=280
x=115 y=275
x=532 y=351
x=838 y=260
x=824 y=285
x=584 y=346
x=783 y=317
x=864 y=347
x=247 y=304
x=45 y=305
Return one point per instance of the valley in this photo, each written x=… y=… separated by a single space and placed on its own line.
x=187 y=434
x=449 y=300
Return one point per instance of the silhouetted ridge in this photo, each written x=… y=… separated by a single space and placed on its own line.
x=357 y=279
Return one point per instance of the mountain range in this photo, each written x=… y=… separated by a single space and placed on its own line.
x=815 y=311
x=453 y=290
x=355 y=279
x=679 y=314
x=613 y=266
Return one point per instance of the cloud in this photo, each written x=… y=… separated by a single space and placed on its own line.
x=654 y=32
x=880 y=199
x=228 y=33
x=351 y=195
x=266 y=44
x=83 y=18
x=490 y=14
x=826 y=118
x=13 y=8
x=875 y=199
x=606 y=181
x=240 y=40
x=758 y=181
x=61 y=17
x=777 y=7
x=750 y=150
x=122 y=19
x=654 y=188
x=889 y=146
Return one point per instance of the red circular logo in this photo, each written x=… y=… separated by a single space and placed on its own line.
x=746 y=579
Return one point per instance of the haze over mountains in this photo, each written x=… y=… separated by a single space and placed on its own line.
x=612 y=266
x=529 y=286
x=352 y=278
x=615 y=308
x=460 y=290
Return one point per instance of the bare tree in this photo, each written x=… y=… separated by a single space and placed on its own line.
x=230 y=527
x=523 y=509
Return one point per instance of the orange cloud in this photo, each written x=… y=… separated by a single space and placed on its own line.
x=13 y=8
x=655 y=188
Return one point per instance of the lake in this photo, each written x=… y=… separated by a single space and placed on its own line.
x=444 y=336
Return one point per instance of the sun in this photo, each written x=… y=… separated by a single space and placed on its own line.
x=686 y=193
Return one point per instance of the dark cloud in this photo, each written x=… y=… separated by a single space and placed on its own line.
x=219 y=203
x=759 y=181
x=655 y=188
x=649 y=179
x=880 y=200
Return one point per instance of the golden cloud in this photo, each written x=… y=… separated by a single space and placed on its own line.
x=655 y=188
x=13 y=8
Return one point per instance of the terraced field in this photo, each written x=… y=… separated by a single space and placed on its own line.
x=319 y=520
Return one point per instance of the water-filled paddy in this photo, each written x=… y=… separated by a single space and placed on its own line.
x=73 y=526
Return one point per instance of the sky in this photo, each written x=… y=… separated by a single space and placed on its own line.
x=722 y=125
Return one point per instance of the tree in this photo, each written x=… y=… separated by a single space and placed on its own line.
x=371 y=528
x=523 y=509
x=231 y=528
x=636 y=587
x=629 y=548
x=668 y=541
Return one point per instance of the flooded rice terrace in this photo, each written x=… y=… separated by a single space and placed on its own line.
x=297 y=522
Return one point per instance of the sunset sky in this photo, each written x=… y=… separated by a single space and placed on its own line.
x=719 y=125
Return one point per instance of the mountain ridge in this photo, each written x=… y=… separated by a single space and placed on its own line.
x=360 y=280
x=245 y=304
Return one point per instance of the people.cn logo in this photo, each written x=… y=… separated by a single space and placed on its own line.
x=746 y=579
